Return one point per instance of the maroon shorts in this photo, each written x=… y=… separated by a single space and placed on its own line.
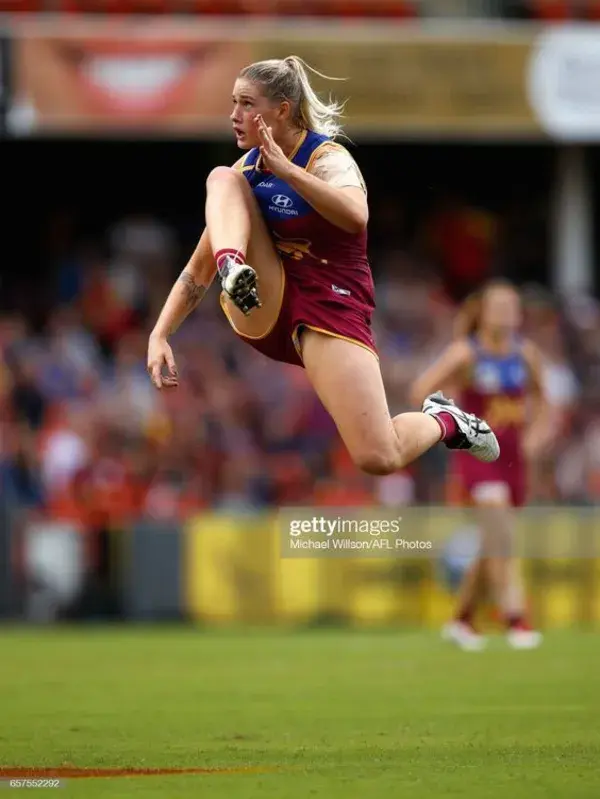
x=475 y=478
x=312 y=306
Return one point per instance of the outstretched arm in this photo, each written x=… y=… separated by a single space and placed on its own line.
x=450 y=367
x=187 y=292
x=190 y=287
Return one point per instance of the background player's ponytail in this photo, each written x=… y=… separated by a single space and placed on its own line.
x=288 y=79
x=467 y=319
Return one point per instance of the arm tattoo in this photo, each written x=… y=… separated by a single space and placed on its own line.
x=193 y=291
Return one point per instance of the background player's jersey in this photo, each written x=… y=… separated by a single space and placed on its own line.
x=497 y=392
x=312 y=249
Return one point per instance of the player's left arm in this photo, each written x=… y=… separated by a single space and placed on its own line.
x=332 y=185
x=542 y=428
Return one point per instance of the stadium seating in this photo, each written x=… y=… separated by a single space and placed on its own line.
x=546 y=11
x=320 y=8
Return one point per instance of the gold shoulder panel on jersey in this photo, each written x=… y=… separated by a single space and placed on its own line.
x=329 y=146
x=319 y=149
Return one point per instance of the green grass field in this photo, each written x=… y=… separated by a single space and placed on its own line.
x=325 y=714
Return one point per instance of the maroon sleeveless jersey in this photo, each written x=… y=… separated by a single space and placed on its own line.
x=328 y=281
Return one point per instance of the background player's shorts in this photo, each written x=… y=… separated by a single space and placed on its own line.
x=313 y=306
x=504 y=480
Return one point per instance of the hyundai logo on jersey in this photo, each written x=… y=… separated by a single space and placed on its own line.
x=282 y=204
x=282 y=201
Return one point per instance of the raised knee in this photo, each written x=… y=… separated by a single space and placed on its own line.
x=377 y=462
x=220 y=174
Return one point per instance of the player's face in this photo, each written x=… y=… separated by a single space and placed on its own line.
x=501 y=310
x=248 y=102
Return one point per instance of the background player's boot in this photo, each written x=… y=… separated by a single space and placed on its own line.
x=474 y=434
x=522 y=636
x=239 y=283
x=464 y=636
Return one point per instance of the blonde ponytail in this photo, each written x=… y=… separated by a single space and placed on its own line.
x=287 y=79
x=313 y=112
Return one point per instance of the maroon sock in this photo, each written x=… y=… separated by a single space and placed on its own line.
x=236 y=255
x=448 y=425
x=465 y=616
x=516 y=620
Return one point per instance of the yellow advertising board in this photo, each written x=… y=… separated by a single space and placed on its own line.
x=237 y=572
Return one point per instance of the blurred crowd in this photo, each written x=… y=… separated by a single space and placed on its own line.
x=536 y=10
x=85 y=436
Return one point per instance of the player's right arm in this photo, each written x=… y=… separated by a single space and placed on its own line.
x=185 y=296
x=189 y=288
x=451 y=368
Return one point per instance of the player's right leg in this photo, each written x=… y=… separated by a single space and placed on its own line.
x=237 y=232
x=461 y=630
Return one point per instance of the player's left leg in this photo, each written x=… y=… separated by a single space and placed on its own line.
x=348 y=381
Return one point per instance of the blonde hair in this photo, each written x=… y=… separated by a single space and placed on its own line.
x=287 y=79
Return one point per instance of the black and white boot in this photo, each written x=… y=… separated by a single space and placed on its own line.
x=239 y=282
x=474 y=434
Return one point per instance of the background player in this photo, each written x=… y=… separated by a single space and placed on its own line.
x=296 y=207
x=497 y=373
